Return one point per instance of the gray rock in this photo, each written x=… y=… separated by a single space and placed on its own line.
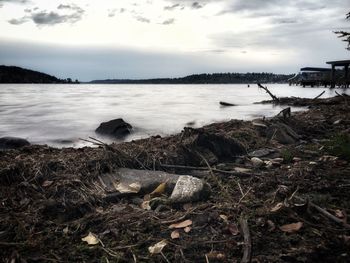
x=137 y=181
x=117 y=128
x=282 y=133
x=189 y=189
x=12 y=143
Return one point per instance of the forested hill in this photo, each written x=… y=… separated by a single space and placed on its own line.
x=11 y=74
x=216 y=78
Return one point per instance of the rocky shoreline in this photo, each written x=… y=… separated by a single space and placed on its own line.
x=268 y=190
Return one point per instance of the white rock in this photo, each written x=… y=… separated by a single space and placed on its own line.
x=189 y=189
x=257 y=162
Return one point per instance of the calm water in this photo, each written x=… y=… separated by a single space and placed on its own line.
x=59 y=115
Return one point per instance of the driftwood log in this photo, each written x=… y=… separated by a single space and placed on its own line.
x=274 y=98
x=319 y=95
x=222 y=103
x=247 y=247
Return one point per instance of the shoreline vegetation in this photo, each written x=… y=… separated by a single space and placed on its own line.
x=276 y=190
x=11 y=74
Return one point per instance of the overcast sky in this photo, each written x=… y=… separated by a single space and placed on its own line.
x=88 y=39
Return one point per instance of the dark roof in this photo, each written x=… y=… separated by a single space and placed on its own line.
x=339 y=62
x=315 y=69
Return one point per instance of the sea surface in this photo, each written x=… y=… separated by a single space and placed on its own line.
x=58 y=115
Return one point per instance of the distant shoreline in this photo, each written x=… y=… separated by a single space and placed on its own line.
x=17 y=75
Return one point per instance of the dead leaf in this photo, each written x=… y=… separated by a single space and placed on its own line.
x=346 y=239
x=187 y=206
x=147 y=197
x=224 y=217
x=339 y=213
x=290 y=228
x=91 y=239
x=215 y=255
x=159 y=190
x=276 y=207
x=128 y=188
x=187 y=229
x=182 y=224
x=233 y=229
x=157 y=248
x=47 y=183
x=271 y=225
x=175 y=234
x=65 y=230
x=146 y=205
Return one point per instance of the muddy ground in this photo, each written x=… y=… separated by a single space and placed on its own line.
x=294 y=196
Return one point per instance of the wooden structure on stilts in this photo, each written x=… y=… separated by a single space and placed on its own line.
x=315 y=76
x=343 y=80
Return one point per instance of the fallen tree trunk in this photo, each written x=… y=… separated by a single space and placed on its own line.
x=274 y=98
x=226 y=104
x=319 y=95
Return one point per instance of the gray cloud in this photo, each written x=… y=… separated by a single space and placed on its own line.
x=172 y=7
x=281 y=20
x=2 y=2
x=168 y=21
x=269 y=7
x=192 y=4
x=14 y=1
x=51 y=18
x=62 y=6
x=48 y=18
x=111 y=12
x=196 y=5
x=142 y=19
x=283 y=33
x=18 y=21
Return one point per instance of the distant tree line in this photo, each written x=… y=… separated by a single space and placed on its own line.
x=11 y=74
x=216 y=78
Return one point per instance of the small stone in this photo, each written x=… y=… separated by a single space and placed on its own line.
x=312 y=163
x=260 y=152
x=257 y=162
x=337 y=122
x=296 y=159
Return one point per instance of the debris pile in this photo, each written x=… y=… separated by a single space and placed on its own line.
x=269 y=190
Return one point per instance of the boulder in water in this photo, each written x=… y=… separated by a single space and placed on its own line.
x=117 y=128
x=12 y=143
